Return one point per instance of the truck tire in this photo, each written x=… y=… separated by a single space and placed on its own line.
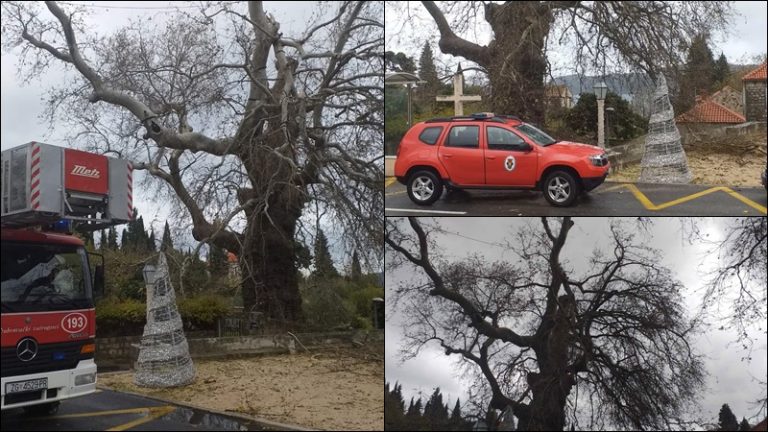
x=424 y=187
x=561 y=188
x=46 y=409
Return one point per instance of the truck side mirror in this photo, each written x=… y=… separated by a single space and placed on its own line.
x=98 y=281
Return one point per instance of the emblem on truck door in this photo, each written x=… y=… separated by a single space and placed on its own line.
x=26 y=349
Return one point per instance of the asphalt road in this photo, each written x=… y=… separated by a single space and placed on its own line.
x=110 y=410
x=609 y=199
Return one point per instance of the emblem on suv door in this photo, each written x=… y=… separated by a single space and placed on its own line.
x=509 y=163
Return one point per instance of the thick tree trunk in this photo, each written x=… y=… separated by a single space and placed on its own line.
x=518 y=65
x=268 y=264
x=551 y=386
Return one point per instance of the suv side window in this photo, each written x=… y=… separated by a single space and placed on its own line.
x=503 y=139
x=430 y=135
x=463 y=136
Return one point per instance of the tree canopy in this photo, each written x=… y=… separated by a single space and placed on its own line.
x=606 y=344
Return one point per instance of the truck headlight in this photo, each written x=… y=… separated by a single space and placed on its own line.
x=598 y=160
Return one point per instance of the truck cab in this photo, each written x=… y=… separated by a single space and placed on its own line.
x=48 y=319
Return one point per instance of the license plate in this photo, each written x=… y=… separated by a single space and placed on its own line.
x=26 y=386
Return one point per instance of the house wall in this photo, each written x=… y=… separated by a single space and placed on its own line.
x=690 y=133
x=755 y=100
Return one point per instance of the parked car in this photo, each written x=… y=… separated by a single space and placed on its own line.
x=487 y=151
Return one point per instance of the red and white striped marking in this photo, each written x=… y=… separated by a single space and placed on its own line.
x=130 y=191
x=35 y=177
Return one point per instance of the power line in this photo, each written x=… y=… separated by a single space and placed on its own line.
x=471 y=238
x=129 y=7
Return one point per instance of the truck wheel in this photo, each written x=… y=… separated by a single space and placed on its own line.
x=424 y=187
x=46 y=409
x=561 y=188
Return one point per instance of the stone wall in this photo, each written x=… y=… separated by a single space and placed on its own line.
x=121 y=352
x=755 y=104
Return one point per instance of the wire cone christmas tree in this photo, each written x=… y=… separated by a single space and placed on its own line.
x=664 y=160
x=164 y=359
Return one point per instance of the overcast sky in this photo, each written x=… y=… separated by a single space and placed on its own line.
x=22 y=104
x=408 y=27
x=729 y=380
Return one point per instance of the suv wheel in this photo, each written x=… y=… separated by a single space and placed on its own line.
x=561 y=188
x=424 y=187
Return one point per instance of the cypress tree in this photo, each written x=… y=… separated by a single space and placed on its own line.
x=428 y=73
x=167 y=244
x=744 y=426
x=721 y=70
x=324 y=267
x=103 y=241
x=217 y=260
x=728 y=421
x=151 y=242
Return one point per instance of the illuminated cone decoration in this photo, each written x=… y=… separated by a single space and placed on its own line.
x=164 y=359
x=664 y=160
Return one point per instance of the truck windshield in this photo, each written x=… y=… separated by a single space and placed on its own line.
x=39 y=277
x=536 y=134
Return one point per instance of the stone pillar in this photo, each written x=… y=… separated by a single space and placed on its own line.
x=601 y=123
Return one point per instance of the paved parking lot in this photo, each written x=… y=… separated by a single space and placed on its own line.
x=609 y=199
x=108 y=410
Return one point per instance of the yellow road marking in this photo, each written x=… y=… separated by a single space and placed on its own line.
x=388 y=182
x=651 y=206
x=395 y=193
x=144 y=410
x=154 y=413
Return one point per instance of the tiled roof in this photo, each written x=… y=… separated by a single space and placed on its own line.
x=757 y=74
x=708 y=111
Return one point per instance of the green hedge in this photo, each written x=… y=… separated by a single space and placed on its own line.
x=116 y=317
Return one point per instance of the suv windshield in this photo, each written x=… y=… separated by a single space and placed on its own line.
x=538 y=136
x=38 y=277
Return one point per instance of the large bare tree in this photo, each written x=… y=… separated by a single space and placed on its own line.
x=606 y=345
x=646 y=35
x=241 y=125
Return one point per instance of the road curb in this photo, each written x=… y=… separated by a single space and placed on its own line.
x=243 y=417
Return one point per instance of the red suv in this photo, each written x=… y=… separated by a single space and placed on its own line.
x=486 y=151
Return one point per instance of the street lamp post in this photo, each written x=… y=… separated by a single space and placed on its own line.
x=600 y=91
x=149 y=280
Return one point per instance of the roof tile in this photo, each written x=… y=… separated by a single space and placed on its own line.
x=757 y=74
x=708 y=111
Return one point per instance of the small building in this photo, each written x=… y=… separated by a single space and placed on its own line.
x=559 y=96
x=755 y=94
x=707 y=117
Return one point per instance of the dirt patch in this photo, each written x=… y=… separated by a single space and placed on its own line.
x=336 y=389
x=741 y=165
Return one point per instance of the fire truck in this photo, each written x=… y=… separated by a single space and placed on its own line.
x=49 y=281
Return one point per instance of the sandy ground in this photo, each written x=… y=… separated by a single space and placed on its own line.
x=333 y=389
x=715 y=169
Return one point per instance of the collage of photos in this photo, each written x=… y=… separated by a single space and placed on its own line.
x=384 y=215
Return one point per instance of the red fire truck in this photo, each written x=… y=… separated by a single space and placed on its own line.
x=47 y=282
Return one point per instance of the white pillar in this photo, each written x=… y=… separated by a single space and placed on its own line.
x=601 y=123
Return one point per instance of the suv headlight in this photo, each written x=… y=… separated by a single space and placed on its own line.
x=598 y=160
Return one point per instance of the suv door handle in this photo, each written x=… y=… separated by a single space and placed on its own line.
x=490 y=157
x=448 y=155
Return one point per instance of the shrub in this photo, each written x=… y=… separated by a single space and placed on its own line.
x=324 y=304
x=202 y=312
x=115 y=317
